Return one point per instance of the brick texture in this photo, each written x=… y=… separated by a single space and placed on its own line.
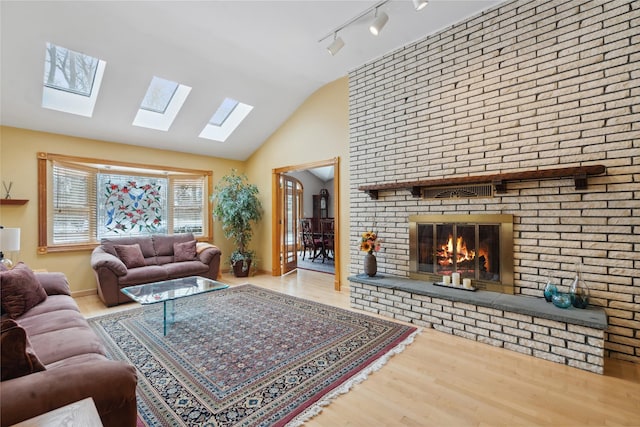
x=525 y=85
x=573 y=345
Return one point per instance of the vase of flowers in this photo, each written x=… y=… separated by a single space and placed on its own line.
x=370 y=244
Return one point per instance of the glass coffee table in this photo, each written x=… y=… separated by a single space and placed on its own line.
x=168 y=291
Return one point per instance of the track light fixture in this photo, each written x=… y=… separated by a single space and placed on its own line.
x=335 y=45
x=378 y=24
x=419 y=4
x=375 y=27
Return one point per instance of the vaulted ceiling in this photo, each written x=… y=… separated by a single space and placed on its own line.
x=263 y=53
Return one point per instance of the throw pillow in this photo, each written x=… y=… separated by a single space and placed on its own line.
x=131 y=255
x=20 y=290
x=18 y=358
x=185 y=251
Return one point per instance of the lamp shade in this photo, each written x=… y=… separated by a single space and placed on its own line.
x=419 y=4
x=379 y=23
x=335 y=45
x=9 y=239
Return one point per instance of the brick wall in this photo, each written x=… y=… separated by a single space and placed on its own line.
x=560 y=342
x=526 y=85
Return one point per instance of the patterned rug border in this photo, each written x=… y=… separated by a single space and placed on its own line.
x=317 y=407
x=331 y=392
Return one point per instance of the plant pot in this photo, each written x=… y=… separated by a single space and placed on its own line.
x=239 y=270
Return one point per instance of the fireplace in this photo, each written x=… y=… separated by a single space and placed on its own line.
x=479 y=247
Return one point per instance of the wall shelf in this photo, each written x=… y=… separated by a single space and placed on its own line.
x=13 y=201
x=499 y=181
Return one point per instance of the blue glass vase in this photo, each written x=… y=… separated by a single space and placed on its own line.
x=549 y=290
x=579 y=291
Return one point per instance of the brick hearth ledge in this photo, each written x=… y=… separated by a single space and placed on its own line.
x=528 y=325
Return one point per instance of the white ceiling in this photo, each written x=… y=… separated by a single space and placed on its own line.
x=263 y=53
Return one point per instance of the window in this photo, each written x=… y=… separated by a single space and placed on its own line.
x=188 y=200
x=225 y=120
x=90 y=199
x=72 y=186
x=159 y=95
x=131 y=204
x=71 y=80
x=161 y=104
x=223 y=112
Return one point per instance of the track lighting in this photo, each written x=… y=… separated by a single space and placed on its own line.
x=378 y=24
x=335 y=45
x=375 y=27
x=419 y=4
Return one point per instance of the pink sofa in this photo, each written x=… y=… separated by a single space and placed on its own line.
x=128 y=261
x=51 y=357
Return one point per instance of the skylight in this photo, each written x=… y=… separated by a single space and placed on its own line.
x=225 y=120
x=161 y=104
x=159 y=95
x=224 y=110
x=71 y=80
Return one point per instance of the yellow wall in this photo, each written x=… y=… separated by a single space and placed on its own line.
x=18 y=163
x=317 y=131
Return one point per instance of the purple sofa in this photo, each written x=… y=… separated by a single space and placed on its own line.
x=51 y=357
x=128 y=261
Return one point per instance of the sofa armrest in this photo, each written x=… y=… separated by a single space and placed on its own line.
x=111 y=384
x=206 y=252
x=101 y=259
x=54 y=283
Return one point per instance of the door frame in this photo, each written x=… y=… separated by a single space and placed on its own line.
x=276 y=206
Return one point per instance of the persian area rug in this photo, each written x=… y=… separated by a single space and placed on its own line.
x=247 y=356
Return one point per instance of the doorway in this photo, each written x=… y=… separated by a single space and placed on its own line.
x=286 y=207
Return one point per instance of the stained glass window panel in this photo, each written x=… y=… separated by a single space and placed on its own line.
x=131 y=205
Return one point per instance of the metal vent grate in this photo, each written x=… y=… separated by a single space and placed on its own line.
x=458 y=192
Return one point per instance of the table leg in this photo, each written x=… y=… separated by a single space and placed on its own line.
x=169 y=314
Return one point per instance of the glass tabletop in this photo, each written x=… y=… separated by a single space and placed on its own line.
x=168 y=290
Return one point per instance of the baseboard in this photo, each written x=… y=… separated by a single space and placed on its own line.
x=84 y=293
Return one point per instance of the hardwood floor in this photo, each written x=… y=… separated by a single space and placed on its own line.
x=442 y=380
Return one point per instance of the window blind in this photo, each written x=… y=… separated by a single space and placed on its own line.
x=74 y=195
x=188 y=201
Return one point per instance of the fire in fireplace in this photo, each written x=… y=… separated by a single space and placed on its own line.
x=479 y=247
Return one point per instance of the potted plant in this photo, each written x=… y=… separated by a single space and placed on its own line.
x=237 y=206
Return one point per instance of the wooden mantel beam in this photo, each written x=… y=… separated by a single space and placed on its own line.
x=578 y=173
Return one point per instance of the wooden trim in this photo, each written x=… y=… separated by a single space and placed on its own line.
x=210 y=207
x=276 y=265
x=97 y=162
x=336 y=225
x=275 y=238
x=13 y=201
x=44 y=249
x=579 y=174
x=42 y=203
x=305 y=166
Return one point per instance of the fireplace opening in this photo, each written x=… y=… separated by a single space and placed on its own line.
x=479 y=247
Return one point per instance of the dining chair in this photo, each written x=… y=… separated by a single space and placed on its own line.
x=309 y=241
x=327 y=231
